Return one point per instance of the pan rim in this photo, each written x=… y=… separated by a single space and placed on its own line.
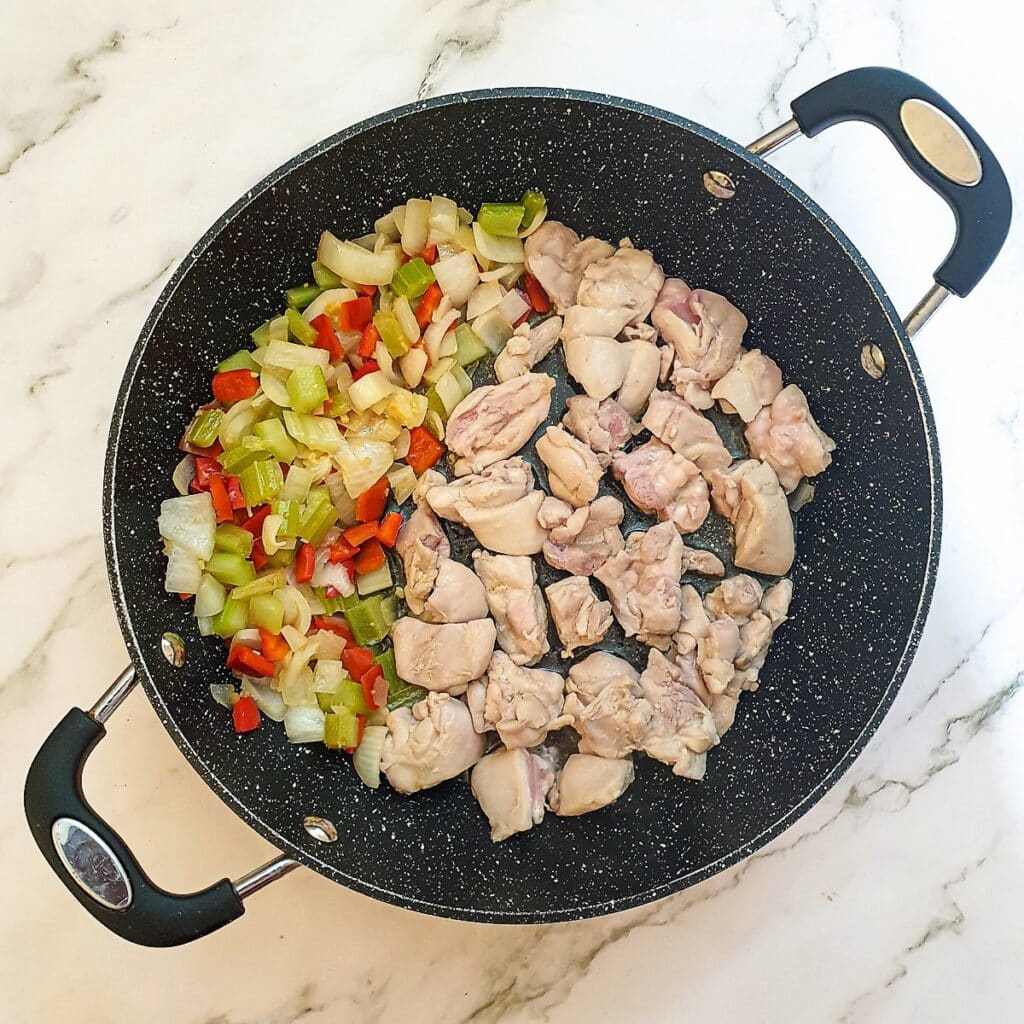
x=651 y=893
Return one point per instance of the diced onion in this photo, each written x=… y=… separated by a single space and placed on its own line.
x=438 y=369
x=413 y=363
x=366 y=241
x=485 y=296
x=458 y=276
x=449 y=392
x=403 y=482
x=238 y=421
x=296 y=608
x=327 y=574
x=328 y=645
x=398 y=215
x=327 y=676
x=416 y=226
x=406 y=319
x=269 y=701
x=296 y=678
x=286 y=355
x=369 y=390
x=465 y=217
x=343 y=503
x=449 y=346
x=402 y=443
x=363 y=463
x=406 y=408
x=538 y=219
x=493 y=330
x=354 y=263
x=328 y=298
x=210 y=597
x=366 y=759
x=386 y=362
x=501 y=250
x=304 y=724
x=274 y=387
x=513 y=306
x=444 y=220
x=184 y=573
x=386 y=226
x=296 y=484
x=189 y=523
x=293 y=637
x=222 y=694
x=184 y=473
x=435 y=332
x=497 y=273
x=271 y=525
x=433 y=422
x=205 y=627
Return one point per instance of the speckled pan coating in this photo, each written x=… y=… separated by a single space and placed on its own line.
x=867 y=546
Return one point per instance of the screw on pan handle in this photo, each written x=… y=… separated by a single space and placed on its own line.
x=938 y=144
x=92 y=860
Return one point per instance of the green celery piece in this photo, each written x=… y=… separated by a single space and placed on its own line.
x=290 y=512
x=349 y=694
x=391 y=333
x=232 y=570
x=245 y=453
x=261 y=481
x=233 y=539
x=276 y=440
x=386 y=660
x=266 y=584
x=301 y=296
x=241 y=360
x=340 y=405
x=317 y=432
x=412 y=279
x=202 y=432
x=267 y=612
x=471 y=348
x=533 y=202
x=299 y=329
x=325 y=277
x=231 y=618
x=277 y=328
x=261 y=336
x=368 y=621
x=281 y=559
x=501 y=219
x=434 y=403
x=341 y=730
x=318 y=516
x=307 y=389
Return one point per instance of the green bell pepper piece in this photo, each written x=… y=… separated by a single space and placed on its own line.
x=533 y=202
x=501 y=219
x=261 y=336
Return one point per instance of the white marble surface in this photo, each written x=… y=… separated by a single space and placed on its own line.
x=125 y=129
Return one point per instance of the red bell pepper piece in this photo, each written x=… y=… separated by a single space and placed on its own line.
x=341 y=551
x=273 y=646
x=370 y=366
x=375 y=687
x=536 y=294
x=332 y=625
x=249 y=662
x=430 y=255
x=357 y=660
x=254 y=524
x=387 y=532
x=305 y=563
x=428 y=303
x=326 y=338
x=234 y=385
x=371 y=503
x=235 y=495
x=357 y=535
x=370 y=558
x=258 y=555
x=221 y=502
x=368 y=342
x=205 y=468
x=366 y=289
x=355 y=314
x=245 y=714
x=424 y=450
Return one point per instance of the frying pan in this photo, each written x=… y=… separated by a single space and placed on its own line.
x=713 y=212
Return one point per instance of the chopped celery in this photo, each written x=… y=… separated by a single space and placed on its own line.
x=371 y=582
x=370 y=619
x=231 y=618
x=341 y=730
x=386 y=660
x=450 y=392
x=233 y=539
x=501 y=219
x=306 y=388
x=241 y=360
x=325 y=277
x=276 y=440
x=282 y=559
x=471 y=348
x=265 y=584
x=301 y=296
x=463 y=379
x=339 y=405
x=316 y=432
x=245 y=453
x=439 y=369
x=412 y=279
x=533 y=202
x=297 y=483
x=232 y=570
x=261 y=481
x=277 y=329
x=435 y=405
x=202 y=432
x=289 y=511
x=400 y=693
x=317 y=519
x=210 y=596
x=261 y=336
x=348 y=694
x=299 y=329
x=403 y=482
x=267 y=612
x=391 y=333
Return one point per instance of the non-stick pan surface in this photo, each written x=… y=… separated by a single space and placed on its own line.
x=867 y=545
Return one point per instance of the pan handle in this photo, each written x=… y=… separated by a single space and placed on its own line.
x=938 y=144
x=92 y=860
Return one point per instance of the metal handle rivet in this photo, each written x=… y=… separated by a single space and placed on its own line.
x=719 y=184
x=172 y=647
x=322 y=830
x=873 y=361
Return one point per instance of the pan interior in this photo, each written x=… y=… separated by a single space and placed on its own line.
x=866 y=545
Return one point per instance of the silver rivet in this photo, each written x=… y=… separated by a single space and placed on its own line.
x=322 y=830
x=172 y=647
x=873 y=361
x=719 y=184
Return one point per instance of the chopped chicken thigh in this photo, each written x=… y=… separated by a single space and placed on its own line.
x=421 y=545
x=641 y=376
x=661 y=482
x=573 y=469
x=748 y=494
x=587 y=783
x=432 y=741
x=704 y=563
x=580 y=618
x=493 y=422
x=643 y=584
x=442 y=657
x=673 y=420
x=716 y=654
x=603 y=426
x=628 y=278
x=510 y=786
x=756 y=634
x=457 y=596
x=557 y=258
x=598 y=363
x=581 y=540
x=753 y=382
x=785 y=435
x=738 y=597
x=517 y=605
x=521 y=704
x=599 y=321
x=602 y=697
x=527 y=347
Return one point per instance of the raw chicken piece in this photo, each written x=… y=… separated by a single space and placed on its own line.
x=756 y=634
x=442 y=657
x=517 y=605
x=458 y=595
x=587 y=783
x=499 y=505
x=522 y=704
x=555 y=256
x=643 y=584
x=629 y=279
x=603 y=426
x=421 y=545
x=693 y=621
x=580 y=618
x=641 y=376
x=510 y=786
x=661 y=482
x=527 y=347
x=673 y=420
x=678 y=727
x=640 y=332
x=706 y=331
x=581 y=540
x=716 y=654
x=493 y=422
x=598 y=363
x=754 y=381
x=432 y=741
x=749 y=495
x=738 y=597
x=603 y=322
x=704 y=563
x=602 y=696
x=573 y=469
x=785 y=435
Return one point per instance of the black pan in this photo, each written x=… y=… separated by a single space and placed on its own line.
x=867 y=546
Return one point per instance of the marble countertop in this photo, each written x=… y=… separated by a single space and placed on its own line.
x=125 y=129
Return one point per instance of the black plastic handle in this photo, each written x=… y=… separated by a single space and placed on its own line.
x=982 y=210
x=110 y=884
